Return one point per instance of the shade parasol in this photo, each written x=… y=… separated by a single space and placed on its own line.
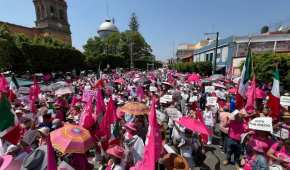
x=63 y=91
x=71 y=139
x=135 y=108
x=194 y=78
x=194 y=125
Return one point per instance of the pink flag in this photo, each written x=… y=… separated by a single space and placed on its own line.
x=153 y=142
x=74 y=101
x=251 y=97
x=140 y=93
x=3 y=84
x=100 y=105
x=87 y=120
x=51 y=161
x=109 y=118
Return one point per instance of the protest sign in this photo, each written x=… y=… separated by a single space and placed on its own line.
x=161 y=117
x=173 y=113
x=285 y=100
x=23 y=90
x=209 y=89
x=192 y=99
x=87 y=94
x=220 y=94
x=211 y=101
x=261 y=123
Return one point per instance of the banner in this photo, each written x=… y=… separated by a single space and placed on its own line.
x=285 y=100
x=261 y=123
x=87 y=94
x=209 y=89
x=211 y=101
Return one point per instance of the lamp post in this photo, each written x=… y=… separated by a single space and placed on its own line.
x=216 y=48
x=131 y=56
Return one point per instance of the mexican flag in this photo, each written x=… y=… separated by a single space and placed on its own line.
x=246 y=75
x=13 y=89
x=7 y=117
x=274 y=97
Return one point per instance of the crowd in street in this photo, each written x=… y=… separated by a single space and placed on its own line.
x=159 y=119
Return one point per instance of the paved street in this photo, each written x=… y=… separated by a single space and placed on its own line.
x=214 y=159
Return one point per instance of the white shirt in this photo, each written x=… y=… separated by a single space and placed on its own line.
x=136 y=148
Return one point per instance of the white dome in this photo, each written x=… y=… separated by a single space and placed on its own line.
x=106 y=28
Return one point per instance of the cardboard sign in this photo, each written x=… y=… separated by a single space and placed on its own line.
x=192 y=99
x=87 y=94
x=166 y=99
x=173 y=113
x=209 y=89
x=261 y=123
x=211 y=101
x=161 y=117
x=23 y=90
x=285 y=100
x=220 y=94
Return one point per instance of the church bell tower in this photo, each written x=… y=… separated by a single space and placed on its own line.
x=51 y=16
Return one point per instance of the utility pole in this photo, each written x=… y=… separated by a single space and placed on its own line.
x=215 y=50
x=216 y=53
x=131 y=56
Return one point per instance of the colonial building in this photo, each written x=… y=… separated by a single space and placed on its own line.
x=51 y=20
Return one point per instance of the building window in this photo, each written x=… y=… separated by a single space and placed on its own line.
x=211 y=57
x=206 y=57
x=52 y=11
x=61 y=14
x=42 y=11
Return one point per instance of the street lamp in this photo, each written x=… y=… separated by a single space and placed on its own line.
x=216 y=48
x=131 y=55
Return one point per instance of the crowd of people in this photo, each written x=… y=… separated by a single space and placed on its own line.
x=127 y=120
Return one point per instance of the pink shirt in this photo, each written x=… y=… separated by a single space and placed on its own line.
x=282 y=153
x=236 y=129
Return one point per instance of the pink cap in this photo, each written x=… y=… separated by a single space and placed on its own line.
x=116 y=151
x=131 y=126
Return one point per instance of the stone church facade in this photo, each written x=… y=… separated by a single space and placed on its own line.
x=51 y=20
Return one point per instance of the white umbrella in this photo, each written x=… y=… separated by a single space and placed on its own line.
x=63 y=91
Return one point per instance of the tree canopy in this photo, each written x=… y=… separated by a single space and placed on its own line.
x=19 y=53
x=133 y=24
x=116 y=49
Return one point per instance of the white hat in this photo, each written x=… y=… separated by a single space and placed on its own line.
x=11 y=148
x=18 y=111
x=44 y=131
x=234 y=113
x=152 y=88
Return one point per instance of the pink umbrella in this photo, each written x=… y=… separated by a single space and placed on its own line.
x=194 y=125
x=71 y=139
x=233 y=90
x=193 y=78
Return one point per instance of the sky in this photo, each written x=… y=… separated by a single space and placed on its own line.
x=163 y=23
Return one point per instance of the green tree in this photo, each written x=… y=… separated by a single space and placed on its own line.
x=134 y=25
x=264 y=66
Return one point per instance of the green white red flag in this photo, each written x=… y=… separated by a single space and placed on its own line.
x=274 y=97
